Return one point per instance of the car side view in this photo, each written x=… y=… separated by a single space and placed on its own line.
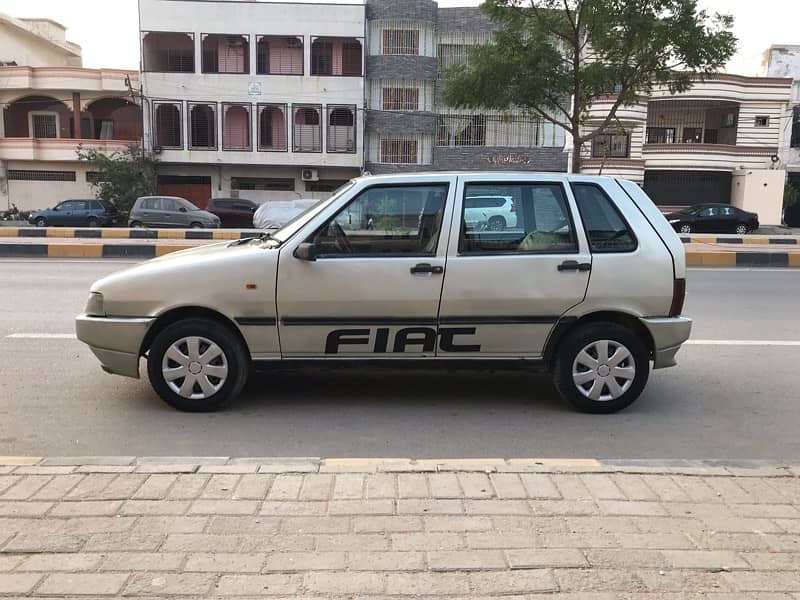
x=495 y=213
x=169 y=211
x=713 y=218
x=588 y=285
x=77 y=213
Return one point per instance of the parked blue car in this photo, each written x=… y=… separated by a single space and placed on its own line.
x=77 y=213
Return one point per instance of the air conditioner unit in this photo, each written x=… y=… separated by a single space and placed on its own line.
x=309 y=175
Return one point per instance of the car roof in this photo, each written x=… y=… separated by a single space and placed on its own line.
x=496 y=175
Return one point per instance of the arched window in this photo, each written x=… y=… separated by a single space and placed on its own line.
x=341 y=129
x=307 y=129
x=272 y=128
x=236 y=127
x=202 y=121
x=168 y=126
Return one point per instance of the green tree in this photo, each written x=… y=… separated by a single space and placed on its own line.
x=548 y=52
x=122 y=176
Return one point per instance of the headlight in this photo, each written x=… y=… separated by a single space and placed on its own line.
x=94 y=306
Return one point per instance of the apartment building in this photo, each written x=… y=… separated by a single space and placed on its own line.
x=784 y=61
x=51 y=105
x=262 y=100
x=408 y=126
x=697 y=146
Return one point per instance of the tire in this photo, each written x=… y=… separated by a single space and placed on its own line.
x=685 y=228
x=497 y=223
x=568 y=366
x=196 y=225
x=231 y=364
x=137 y=225
x=41 y=222
x=92 y=223
x=742 y=229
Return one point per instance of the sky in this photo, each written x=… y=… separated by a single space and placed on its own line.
x=108 y=29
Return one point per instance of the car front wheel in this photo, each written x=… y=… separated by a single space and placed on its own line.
x=601 y=368
x=41 y=222
x=197 y=365
x=742 y=229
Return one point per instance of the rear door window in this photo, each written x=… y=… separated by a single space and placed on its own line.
x=540 y=222
x=605 y=227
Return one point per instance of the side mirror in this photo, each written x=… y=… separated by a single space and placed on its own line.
x=182 y=209
x=306 y=251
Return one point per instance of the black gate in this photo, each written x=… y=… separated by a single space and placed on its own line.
x=685 y=188
x=792 y=214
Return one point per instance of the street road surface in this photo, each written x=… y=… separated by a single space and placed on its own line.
x=735 y=393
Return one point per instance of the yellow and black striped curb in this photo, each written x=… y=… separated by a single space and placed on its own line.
x=728 y=258
x=222 y=464
x=748 y=240
x=126 y=234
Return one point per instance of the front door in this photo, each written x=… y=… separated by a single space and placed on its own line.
x=505 y=290
x=373 y=289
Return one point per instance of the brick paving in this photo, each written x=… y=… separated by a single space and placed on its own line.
x=304 y=528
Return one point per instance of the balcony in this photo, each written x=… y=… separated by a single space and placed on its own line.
x=684 y=122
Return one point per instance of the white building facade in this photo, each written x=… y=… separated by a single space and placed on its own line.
x=784 y=61
x=50 y=106
x=253 y=99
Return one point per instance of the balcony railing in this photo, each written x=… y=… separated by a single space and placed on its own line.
x=692 y=122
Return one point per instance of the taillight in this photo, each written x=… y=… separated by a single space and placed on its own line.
x=513 y=206
x=678 y=296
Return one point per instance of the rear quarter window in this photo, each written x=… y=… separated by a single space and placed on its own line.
x=605 y=226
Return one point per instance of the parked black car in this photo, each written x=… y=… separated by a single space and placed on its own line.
x=233 y=212
x=713 y=218
x=77 y=213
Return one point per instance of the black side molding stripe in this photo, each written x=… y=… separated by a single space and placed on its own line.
x=377 y=321
x=499 y=320
x=257 y=321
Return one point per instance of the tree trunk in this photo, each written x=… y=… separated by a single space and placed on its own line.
x=576 y=154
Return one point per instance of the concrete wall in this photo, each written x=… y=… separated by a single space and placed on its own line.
x=35 y=195
x=759 y=191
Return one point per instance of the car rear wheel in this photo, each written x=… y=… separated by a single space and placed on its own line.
x=197 y=365
x=196 y=225
x=41 y=222
x=601 y=368
x=137 y=225
x=686 y=228
x=92 y=222
x=742 y=229
x=497 y=224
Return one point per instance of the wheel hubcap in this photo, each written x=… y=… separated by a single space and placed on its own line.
x=195 y=368
x=603 y=370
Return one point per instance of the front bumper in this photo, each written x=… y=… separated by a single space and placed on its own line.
x=668 y=336
x=115 y=341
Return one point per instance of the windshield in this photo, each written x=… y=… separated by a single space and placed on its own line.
x=288 y=230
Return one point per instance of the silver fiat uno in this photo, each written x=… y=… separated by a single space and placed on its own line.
x=587 y=284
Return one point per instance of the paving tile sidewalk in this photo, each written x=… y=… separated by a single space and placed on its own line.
x=290 y=528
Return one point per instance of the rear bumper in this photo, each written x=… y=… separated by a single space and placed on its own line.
x=668 y=335
x=115 y=341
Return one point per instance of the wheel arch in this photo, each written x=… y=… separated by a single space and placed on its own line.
x=182 y=313
x=567 y=325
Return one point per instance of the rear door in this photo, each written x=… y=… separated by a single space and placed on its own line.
x=504 y=291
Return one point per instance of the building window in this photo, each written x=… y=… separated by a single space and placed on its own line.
x=467 y=130
x=612 y=145
x=399 y=151
x=322 y=57
x=762 y=121
x=307 y=134
x=400 y=41
x=168 y=126
x=325 y=185
x=23 y=175
x=226 y=54
x=166 y=52
x=272 y=127
x=279 y=55
x=262 y=184
x=202 y=127
x=236 y=127
x=400 y=98
x=341 y=129
x=795 y=138
x=351 y=58
x=336 y=56
x=660 y=135
x=43 y=124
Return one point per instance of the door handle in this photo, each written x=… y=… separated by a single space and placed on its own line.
x=574 y=265
x=427 y=268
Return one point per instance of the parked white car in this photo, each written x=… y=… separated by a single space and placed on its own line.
x=495 y=213
x=274 y=214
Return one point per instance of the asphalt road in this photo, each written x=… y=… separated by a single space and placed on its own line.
x=723 y=401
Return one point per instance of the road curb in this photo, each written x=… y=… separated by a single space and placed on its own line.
x=243 y=465
x=122 y=233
